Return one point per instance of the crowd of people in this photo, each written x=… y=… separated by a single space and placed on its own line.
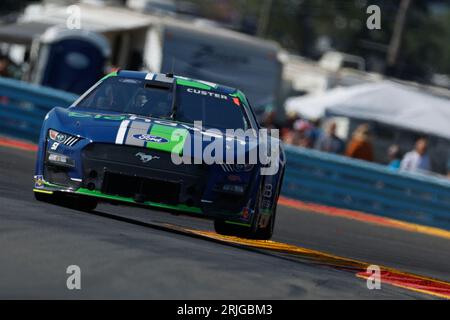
x=310 y=134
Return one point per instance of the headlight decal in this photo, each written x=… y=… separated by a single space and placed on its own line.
x=63 y=138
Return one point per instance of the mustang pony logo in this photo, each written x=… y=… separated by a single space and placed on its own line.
x=146 y=157
x=150 y=138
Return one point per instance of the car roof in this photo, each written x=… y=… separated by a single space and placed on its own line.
x=194 y=83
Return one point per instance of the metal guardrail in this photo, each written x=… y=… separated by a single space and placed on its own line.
x=338 y=181
x=311 y=175
x=23 y=106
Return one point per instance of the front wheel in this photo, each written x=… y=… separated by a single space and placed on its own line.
x=231 y=229
x=249 y=232
x=69 y=201
x=44 y=197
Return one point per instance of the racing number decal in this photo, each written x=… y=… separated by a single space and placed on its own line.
x=54 y=146
x=267 y=196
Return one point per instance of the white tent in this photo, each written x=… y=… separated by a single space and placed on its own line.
x=385 y=102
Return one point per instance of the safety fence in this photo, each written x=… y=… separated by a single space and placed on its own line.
x=338 y=181
x=23 y=106
x=311 y=176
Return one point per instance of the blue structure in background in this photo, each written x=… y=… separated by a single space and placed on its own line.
x=23 y=106
x=342 y=182
x=78 y=59
x=311 y=176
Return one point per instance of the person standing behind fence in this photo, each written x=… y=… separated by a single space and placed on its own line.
x=360 y=146
x=417 y=160
x=394 y=157
x=329 y=141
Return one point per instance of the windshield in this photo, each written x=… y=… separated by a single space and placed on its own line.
x=139 y=97
x=215 y=110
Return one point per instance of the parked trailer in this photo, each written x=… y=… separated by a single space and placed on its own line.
x=217 y=55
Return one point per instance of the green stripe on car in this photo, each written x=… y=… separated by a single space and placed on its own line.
x=174 y=138
x=98 y=194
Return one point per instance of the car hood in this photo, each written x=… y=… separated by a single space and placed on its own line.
x=148 y=132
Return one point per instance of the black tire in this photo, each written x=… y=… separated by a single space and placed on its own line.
x=249 y=232
x=253 y=231
x=82 y=203
x=267 y=232
x=69 y=201
x=44 y=197
x=229 y=229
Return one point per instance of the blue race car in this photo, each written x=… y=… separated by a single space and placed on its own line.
x=166 y=142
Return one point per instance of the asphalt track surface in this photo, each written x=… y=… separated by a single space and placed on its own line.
x=128 y=252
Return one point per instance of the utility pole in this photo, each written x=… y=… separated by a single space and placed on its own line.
x=396 y=39
x=264 y=18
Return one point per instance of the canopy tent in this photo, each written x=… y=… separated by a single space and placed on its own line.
x=384 y=102
x=312 y=106
x=22 y=33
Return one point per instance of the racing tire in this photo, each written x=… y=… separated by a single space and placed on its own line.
x=228 y=229
x=69 y=201
x=43 y=197
x=249 y=232
x=253 y=231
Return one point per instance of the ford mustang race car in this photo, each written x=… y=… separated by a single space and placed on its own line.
x=166 y=142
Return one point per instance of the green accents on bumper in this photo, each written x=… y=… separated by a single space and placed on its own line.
x=98 y=194
x=42 y=191
x=176 y=138
x=51 y=185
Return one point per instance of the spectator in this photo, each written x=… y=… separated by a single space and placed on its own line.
x=269 y=120
x=4 y=66
x=394 y=157
x=360 y=146
x=316 y=131
x=287 y=127
x=329 y=141
x=417 y=159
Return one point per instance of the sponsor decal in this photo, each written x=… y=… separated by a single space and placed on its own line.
x=145 y=158
x=39 y=182
x=150 y=138
x=207 y=93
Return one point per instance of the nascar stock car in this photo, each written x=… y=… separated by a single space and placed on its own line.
x=134 y=138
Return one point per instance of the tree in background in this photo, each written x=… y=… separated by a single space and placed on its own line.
x=308 y=27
